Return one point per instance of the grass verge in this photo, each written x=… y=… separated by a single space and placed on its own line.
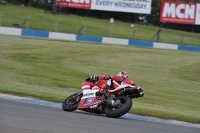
x=52 y=70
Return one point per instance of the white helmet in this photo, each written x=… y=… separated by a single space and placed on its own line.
x=123 y=74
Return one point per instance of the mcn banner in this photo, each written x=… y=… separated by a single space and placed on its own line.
x=132 y=6
x=180 y=12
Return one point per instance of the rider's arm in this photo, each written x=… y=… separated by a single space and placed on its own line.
x=104 y=77
x=117 y=78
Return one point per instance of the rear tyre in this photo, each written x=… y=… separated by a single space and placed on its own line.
x=121 y=109
x=71 y=103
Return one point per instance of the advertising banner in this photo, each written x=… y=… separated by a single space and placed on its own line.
x=82 y=4
x=197 y=20
x=132 y=6
x=180 y=12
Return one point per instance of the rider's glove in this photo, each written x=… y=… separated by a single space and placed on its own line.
x=94 y=78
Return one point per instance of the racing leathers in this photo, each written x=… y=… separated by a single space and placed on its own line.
x=108 y=85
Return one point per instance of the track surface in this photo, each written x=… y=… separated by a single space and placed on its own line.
x=21 y=117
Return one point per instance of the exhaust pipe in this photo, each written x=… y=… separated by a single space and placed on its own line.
x=133 y=92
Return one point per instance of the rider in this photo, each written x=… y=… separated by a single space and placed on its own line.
x=113 y=82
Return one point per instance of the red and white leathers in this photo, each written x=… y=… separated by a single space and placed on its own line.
x=113 y=82
x=105 y=81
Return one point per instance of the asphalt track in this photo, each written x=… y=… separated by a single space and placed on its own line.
x=22 y=116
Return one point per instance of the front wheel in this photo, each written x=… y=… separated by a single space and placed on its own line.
x=71 y=103
x=121 y=109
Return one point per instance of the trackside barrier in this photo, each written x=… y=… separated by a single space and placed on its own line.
x=140 y=43
x=96 y=39
x=36 y=33
x=10 y=31
x=108 y=40
x=188 y=48
x=165 y=46
x=62 y=36
x=88 y=38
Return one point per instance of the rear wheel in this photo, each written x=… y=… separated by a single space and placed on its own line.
x=121 y=109
x=71 y=103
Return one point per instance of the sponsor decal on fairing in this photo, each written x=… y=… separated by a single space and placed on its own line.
x=89 y=93
x=88 y=100
x=93 y=106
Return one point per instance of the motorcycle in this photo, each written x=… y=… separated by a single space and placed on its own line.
x=88 y=100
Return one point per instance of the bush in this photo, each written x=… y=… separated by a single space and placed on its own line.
x=3 y=2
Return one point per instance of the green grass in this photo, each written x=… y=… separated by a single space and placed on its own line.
x=95 y=27
x=52 y=70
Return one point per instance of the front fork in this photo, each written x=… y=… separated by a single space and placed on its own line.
x=78 y=96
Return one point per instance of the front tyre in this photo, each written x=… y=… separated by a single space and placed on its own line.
x=121 y=109
x=71 y=103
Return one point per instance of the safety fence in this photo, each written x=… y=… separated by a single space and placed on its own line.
x=96 y=39
x=71 y=24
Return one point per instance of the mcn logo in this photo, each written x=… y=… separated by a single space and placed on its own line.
x=178 y=12
x=173 y=10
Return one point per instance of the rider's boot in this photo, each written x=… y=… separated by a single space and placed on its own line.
x=115 y=102
x=110 y=100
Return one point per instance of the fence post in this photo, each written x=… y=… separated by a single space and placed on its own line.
x=84 y=28
x=0 y=17
x=111 y=29
x=157 y=36
x=134 y=30
x=57 y=24
x=182 y=39
x=27 y=22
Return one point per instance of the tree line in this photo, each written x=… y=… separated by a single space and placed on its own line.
x=153 y=18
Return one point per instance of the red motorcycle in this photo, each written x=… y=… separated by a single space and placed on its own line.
x=88 y=100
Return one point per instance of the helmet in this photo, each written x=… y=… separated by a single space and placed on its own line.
x=123 y=74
